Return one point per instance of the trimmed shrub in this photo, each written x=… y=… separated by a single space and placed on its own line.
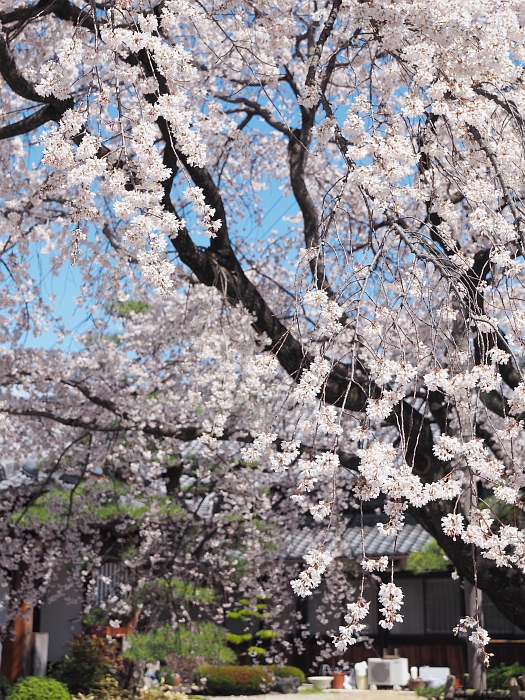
x=38 y=688
x=498 y=676
x=234 y=680
x=260 y=651
x=238 y=638
x=287 y=672
x=267 y=634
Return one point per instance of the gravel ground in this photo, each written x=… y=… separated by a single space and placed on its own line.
x=340 y=694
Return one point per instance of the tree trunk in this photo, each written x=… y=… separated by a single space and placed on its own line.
x=476 y=667
x=17 y=647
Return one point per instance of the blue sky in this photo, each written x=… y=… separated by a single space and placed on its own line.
x=66 y=287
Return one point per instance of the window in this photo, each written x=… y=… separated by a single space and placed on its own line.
x=110 y=576
x=496 y=623
x=444 y=605
x=430 y=606
x=413 y=609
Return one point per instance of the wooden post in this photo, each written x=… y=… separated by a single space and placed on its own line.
x=514 y=691
x=17 y=651
x=450 y=687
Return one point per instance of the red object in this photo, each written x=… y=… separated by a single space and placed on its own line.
x=338 y=680
x=116 y=631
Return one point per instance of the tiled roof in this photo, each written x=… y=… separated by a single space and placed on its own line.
x=348 y=545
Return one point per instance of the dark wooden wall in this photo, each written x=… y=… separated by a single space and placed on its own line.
x=507 y=651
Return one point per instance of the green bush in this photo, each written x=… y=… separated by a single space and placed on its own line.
x=266 y=634
x=38 y=688
x=166 y=673
x=205 y=639
x=287 y=672
x=260 y=651
x=234 y=680
x=431 y=692
x=430 y=558
x=109 y=689
x=244 y=614
x=498 y=677
x=5 y=685
x=238 y=638
x=90 y=662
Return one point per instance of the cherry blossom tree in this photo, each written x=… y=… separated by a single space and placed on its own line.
x=133 y=132
x=189 y=527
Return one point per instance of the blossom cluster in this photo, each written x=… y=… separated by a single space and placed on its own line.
x=349 y=633
x=506 y=546
x=329 y=311
x=391 y=598
x=318 y=562
x=478 y=636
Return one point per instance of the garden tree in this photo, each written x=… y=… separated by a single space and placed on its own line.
x=189 y=527
x=393 y=302
x=176 y=524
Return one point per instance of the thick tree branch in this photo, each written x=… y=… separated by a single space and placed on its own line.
x=505 y=586
x=321 y=41
x=14 y=78
x=484 y=432
x=256 y=108
x=32 y=122
x=509 y=200
x=63 y=9
x=188 y=433
x=53 y=110
x=508 y=105
x=219 y=267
